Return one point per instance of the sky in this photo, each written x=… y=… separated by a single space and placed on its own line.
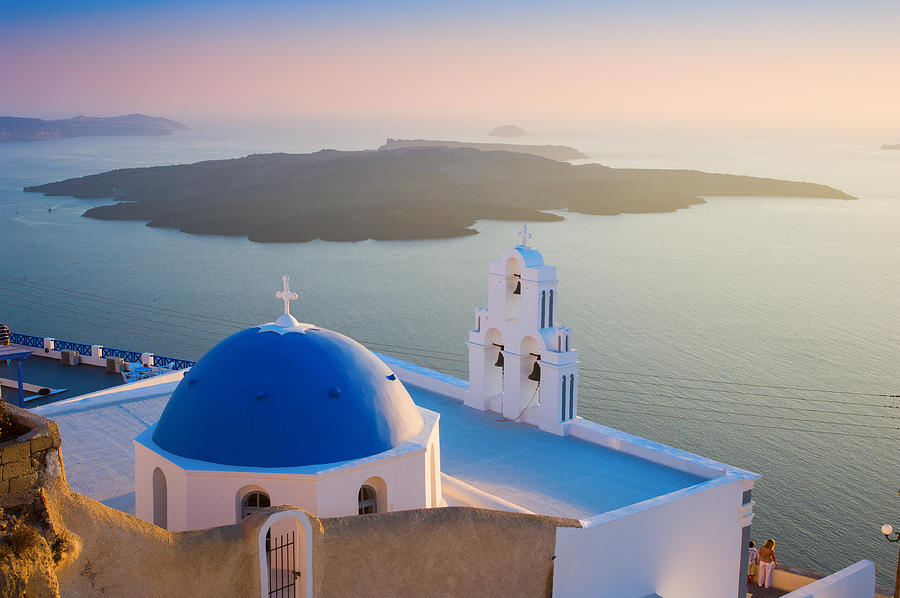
x=792 y=67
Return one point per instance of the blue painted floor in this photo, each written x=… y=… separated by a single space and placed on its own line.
x=543 y=473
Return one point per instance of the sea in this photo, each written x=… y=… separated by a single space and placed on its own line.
x=762 y=332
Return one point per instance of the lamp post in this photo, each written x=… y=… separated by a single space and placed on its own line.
x=893 y=536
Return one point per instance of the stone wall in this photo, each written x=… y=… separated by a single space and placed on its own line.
x=452 y=551
x=24 y=460
x=112 y=554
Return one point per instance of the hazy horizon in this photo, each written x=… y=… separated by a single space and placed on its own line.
x=823 y=70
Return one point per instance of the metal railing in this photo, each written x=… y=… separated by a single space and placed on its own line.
x=171 y=362
x=27 y=340
x=81 y=348
x=85 y=349
x=130 y=356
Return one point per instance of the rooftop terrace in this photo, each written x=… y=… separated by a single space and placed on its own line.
x=45 y=372
x=543 y=473
x=540 y=472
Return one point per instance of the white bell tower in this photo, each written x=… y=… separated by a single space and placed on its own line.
x=518 y=330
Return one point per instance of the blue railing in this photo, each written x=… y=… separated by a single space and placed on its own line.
x=84 y=349
x=27 y=340
x=130 y=356
x=172 y=362
x=70 y=346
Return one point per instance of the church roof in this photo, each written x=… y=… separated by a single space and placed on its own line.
x=287 y=394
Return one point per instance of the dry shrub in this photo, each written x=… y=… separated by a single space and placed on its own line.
x=58 y=546
x=23 y=538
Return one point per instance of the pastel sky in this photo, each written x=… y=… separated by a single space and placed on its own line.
x=766 y=64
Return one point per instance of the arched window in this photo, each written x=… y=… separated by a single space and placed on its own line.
x=253 y=502
x=543 y=309
x=571 y=396
x=563 y=401
x=160 y=499
x=513 y=289
x=367 y=500
x=550 y=311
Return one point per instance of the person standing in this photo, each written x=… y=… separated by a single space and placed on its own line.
x=752 y=562
x=767 y=562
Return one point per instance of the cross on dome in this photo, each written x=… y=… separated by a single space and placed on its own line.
x=524 y=235
x=286 y=295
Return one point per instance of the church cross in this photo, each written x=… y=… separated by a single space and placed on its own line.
x=524 y=235
x=286 y=295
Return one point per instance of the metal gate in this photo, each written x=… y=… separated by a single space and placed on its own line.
x=283 y=574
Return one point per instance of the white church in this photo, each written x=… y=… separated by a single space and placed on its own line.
x=288 y=413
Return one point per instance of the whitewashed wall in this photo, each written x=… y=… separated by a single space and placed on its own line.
x=856 y=581
x=430 y=380
x=145 y=461
x=682 y=545
x=201 y=499
x=406 y=478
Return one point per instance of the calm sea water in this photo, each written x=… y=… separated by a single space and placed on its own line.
x=785 y=294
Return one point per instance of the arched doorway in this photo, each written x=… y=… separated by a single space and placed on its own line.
x=494 y=368
x=160 y=499
x=286 y=563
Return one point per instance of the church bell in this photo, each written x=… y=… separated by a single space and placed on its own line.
x=535 y=374
x=499 y=362
x=518 y=290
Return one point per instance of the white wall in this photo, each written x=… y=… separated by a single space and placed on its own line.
x=145 y=461
x=856 y=581
x=202 y=499
x=463 y=494
x=214 y=497
x=405 y=477
x=649 y=450
x=685 y=544
x=426 y=379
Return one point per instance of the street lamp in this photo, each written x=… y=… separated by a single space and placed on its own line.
x=893 y=536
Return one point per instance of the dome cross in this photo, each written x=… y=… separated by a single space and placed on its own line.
x=524 y=235
x=286 y=295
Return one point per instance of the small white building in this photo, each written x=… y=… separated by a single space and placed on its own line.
x=286 y=413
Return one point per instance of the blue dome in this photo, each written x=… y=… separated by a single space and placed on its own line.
x=282 y=397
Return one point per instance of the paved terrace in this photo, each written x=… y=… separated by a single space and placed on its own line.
x=50 y=373
x=543 y=473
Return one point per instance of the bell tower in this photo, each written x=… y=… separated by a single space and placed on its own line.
x=522 y=363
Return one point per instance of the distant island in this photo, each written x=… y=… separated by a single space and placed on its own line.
x=891 y=147
x=508 y=131
x=553 y=152
x=13 y=128
x=410 y=193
